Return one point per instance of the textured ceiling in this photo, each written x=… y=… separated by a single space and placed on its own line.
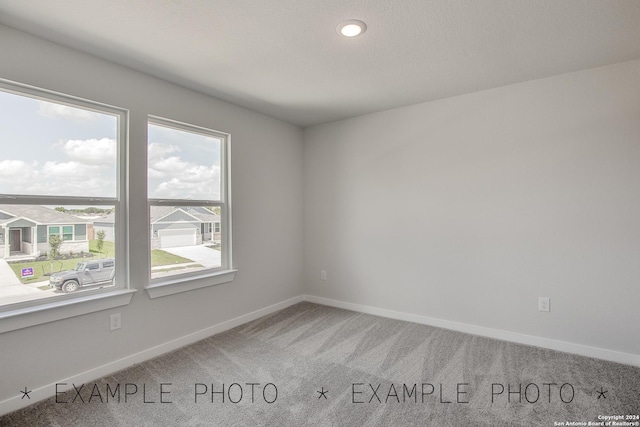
x=285 y=59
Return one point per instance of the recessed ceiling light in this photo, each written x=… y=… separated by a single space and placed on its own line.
x=351 y=28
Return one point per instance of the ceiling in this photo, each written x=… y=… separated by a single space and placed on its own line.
x=285 y=59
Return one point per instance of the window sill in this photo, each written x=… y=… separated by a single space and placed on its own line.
x=183 y=284
x=50 y=312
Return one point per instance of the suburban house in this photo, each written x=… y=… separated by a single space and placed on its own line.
x=25 y=231
x=183 y=226
x=106 y=224
x=173 y=226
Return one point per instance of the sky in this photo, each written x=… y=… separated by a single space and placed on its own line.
x=57 y=150
x=183 y=165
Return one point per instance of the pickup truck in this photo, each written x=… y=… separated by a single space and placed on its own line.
x=86 y=274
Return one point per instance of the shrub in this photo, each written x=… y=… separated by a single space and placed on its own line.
x=54 y=245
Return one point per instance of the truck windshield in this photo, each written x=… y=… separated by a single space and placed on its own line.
x=79 y=266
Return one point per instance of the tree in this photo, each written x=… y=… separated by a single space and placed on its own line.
x=54 y=245
x=100 y=243
x=94 y=210
x=60 y=209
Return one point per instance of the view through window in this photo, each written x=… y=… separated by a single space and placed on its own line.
x=59 y=195
x=188 y=210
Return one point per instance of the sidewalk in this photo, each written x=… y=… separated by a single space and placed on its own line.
x=200 y=254
x=165 y=266
x=7 y=276
x=10 y=285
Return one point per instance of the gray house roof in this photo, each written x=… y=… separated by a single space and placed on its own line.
x=159 y=212
x=199 y=213
x=37 y=214
x=107 y=219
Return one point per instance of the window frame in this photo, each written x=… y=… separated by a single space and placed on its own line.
x=163 y=286
x=61 y=233
x=73 y=236
x=22 y=314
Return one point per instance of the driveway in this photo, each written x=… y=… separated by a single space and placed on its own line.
x=201 y=254
x=7 y=276
x=11 y=287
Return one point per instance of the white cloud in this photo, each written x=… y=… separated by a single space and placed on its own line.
x=56 y=178
x=158 y=150
x=179 y=189
x=92 y=151
x=175 y=178
x=154 y=174
x=52 y=110
x=200 y=174
x=11 y=168
x=74 y=179
x=71 y=170
x=170 y=164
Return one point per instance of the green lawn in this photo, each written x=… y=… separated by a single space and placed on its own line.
x=108 y=249
x=160 y=257
x=42 y=269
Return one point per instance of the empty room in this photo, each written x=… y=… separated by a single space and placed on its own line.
x=320 y=212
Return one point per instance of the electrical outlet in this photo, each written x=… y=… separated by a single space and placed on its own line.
x=543 y=304
x=323 y=274
x=116 y=321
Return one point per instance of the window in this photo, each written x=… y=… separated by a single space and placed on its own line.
x=188 y=189
x=67 y=233
x=54 y=231
x=93 y=266
x=60 y=172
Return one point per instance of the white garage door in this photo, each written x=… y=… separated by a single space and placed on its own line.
x=175 y=238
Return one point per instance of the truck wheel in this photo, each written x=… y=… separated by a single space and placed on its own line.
x=70 y=286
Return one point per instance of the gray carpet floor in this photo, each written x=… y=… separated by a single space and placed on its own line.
x=273 y=372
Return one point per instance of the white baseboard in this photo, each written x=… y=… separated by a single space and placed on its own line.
x=48 y=390
x=583 y=350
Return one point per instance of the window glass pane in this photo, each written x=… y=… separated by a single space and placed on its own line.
x=183 y=165
x=67 y=232
x=53 y=149
x=81 y=232
x=41 y=269
x=178 y=244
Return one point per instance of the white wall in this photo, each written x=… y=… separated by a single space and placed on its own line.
x=267 y=218
x=468 y=209
x=464 y=209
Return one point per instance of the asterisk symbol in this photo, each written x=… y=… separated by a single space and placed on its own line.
x=601 y=393
x=25 y=393
x=322 y=393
